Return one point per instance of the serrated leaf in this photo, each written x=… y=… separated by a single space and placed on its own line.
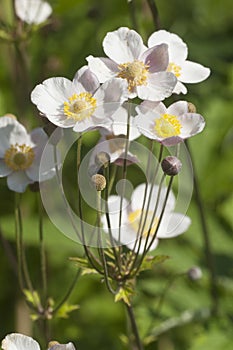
x=124 y=294
x=150 y=261
x=65 y=309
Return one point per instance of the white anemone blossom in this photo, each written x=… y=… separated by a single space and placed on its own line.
x=18 y=341
x=33 y=11
x=82 y=103
x=168 y=125
x=113 y=138
x=171 y=225
x=20 y=154
x=145 y=70
x=185 y=71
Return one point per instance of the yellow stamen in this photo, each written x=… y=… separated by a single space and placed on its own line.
x=167 y=126
x=135 y=73
x=134 y=220
x=19 y=157
x=80 y=106
x=175 y=69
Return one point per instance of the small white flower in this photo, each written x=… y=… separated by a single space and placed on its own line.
x=185 y=71
x=168 y=125
x=18 y=341
x=145 y=70
x=33 y=11
x=82 y=103
x=172 y=224
x=20 y=154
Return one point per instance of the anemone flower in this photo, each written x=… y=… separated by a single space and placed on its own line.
x=145 y=70
x=138 y=236
x=33 y=11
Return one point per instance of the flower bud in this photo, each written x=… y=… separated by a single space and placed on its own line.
x=99 y=181
x=171 y=165
x=191 y=108
x=194 y=273
x=102 y=159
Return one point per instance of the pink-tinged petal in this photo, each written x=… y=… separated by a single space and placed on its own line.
x=130 y=159
x=180 y=88
x=177 y=49
x=178 y=108
x=156 y=58
x=192 y=72
x=153 y=106
x=86 y=80
x=4 y=169
x=192 y=124
x=18 y=181
x=173 y=225
x=102 y=67
x=112 y=91
x=159 y=86
x=171 y=141
x=51 y=94
x=123 y=45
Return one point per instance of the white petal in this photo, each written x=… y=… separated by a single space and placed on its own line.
x=123 y=45
x=153 y=246
x=87 y=124
x=159 y=86
x=177 y=49
x=4 y=169
x=114 y=90
x=50 y=96
x=173 y=225
x=156 y=58
x=17 y=341
x=192 y=124
x=178 y=108
x=192 y=72
x=102 y=67
x=119 y=126
x=180 y=88
x=61 y=120
x=145 y=124
x=32 y=11
x=68 y=346
x=88 y=80
x=18 y=181
x=152 y=106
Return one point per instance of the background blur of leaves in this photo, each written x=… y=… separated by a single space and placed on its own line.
x=76 y=30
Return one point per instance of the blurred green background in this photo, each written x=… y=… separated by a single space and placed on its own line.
x=76 y=30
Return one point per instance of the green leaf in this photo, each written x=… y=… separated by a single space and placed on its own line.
x=32 y=297
x=150 y=261
x=65 y=310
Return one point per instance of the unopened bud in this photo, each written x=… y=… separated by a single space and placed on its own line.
x=99 y=181
x=191 y=108
x=102 y=159
x=10 y=115
x=194 y=273
x=171 y=165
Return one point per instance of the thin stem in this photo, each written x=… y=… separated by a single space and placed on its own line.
x=206 y=238
x=155 y=14
x=132 y=11
x=42 y=249
x=134 y=327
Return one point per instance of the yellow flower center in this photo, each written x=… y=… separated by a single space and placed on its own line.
x=19 y=157
x=167 y=126
x=134 y=219
x=175 y=69
x=135 y=73
x=80 y=106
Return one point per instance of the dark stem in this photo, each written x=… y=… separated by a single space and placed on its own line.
x=134 y=327
x=132 y=11
x=155 y=14
x=206 y=238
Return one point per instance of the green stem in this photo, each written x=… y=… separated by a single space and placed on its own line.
x=42 y=250
x=137 y=340
x=155 y=14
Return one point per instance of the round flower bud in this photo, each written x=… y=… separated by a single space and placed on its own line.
x=171 y=165
x=99 y=181
x=102 y=159
x=194 y=273
x=191 y=108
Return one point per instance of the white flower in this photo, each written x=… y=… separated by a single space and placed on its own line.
x=82 y=103
x=144 y=69
x=185 y=71
x=20 y=154
x=172 y=224
x=33 y=11
x=18 y=341
x=168 y=125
